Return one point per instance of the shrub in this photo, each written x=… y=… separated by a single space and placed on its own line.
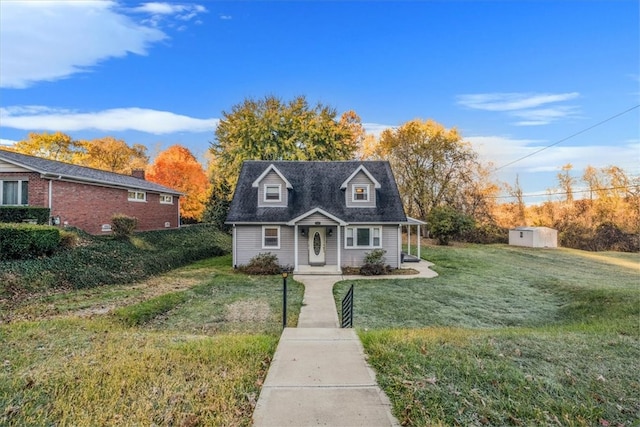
x=102 y=260
x=68 y=239
x=21 y=241
x=445 y=222
x=123 y=225
x=262 y=264
x=17 y=214
x=374 y=263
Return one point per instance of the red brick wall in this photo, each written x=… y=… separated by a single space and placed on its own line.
x=90 y=206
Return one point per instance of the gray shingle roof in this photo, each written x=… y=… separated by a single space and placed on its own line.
x=316 y=185
x=81 y=173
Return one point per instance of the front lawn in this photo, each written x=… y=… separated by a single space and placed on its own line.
x=507 y=336
x=188 y=348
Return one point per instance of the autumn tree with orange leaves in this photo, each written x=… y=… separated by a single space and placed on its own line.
x=177 y=168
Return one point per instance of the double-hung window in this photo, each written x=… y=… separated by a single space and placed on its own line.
x=363 y=237
x=270 y=237
x=360 y=193
x=166 y=199
x=272 y=192
x=14 y=193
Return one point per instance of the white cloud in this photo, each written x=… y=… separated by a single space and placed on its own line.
x=376 y=128
x=7 y=142
x=512 y=101
x=523 y=105
x=500 y=150
x=51 y=40
x=39 y=118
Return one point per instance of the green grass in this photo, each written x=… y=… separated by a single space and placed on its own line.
x=507 y=336
x=185 y=348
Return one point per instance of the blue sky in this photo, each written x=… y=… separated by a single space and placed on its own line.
x=512 y=76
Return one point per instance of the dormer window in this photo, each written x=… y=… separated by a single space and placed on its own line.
x=272 y=193
x=360 y=193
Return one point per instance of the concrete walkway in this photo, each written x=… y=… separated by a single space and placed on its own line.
x=319 y=374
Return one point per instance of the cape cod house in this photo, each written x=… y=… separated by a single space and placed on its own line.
x=316 y=216
x=83 y=197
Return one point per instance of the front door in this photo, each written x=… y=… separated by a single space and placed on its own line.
x=317 y=246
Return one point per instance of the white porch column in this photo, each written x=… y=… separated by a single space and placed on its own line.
x=338 y=248
x=295 y=247
x=419 y=237
x=409 y=239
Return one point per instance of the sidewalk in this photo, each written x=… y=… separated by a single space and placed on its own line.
x=319 y=375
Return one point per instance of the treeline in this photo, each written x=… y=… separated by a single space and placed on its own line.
x=439 y=175
x=596 y=210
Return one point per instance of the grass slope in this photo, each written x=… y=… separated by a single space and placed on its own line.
x=157 y=355
x=507 y=336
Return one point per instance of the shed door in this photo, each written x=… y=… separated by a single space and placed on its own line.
x=317 y=245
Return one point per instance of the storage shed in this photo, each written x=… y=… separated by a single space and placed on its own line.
x=534 y=237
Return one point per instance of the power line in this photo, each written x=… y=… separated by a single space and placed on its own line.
x=560 y=193
x=569 y=137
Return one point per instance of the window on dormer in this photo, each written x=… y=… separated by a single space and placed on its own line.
x=272 y=193
x=360 y=193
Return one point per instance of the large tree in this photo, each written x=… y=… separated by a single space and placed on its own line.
x=271 y=129
x=177 y=167
x=433 y=166
x=53 y=146
x=114 y=155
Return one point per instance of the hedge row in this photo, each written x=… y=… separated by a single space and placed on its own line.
x=21 y=241
x=24 y=213
x=102 y=260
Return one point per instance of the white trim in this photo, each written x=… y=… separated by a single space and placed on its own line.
x=313 y=211
x=271 y=167
x=277 y=227
x=135 y=197
x=339 y=249
x=162 y=195
x=366 y=172
x=367 y=193
x=295 y=248
x=19 y=195
x=264 y=195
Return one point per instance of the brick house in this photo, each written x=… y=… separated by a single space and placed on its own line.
x=83 y=197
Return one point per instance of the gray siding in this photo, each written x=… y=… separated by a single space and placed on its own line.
x=249 y=244
x=355 y=257
x=274 y=179
x=360 y=179
x=317 y=217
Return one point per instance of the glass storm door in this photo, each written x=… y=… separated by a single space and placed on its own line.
x=317 y=246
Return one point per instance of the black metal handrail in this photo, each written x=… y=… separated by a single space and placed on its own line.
x=347 y=309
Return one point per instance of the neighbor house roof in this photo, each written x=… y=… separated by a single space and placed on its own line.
x=67 y=171
x=316 y=185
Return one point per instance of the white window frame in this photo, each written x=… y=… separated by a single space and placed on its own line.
x=136 y=194
x=375 y=232
x=264 y=197
x=21 y=184
x=366 y=193
x=166 y=199
x=270 y=227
